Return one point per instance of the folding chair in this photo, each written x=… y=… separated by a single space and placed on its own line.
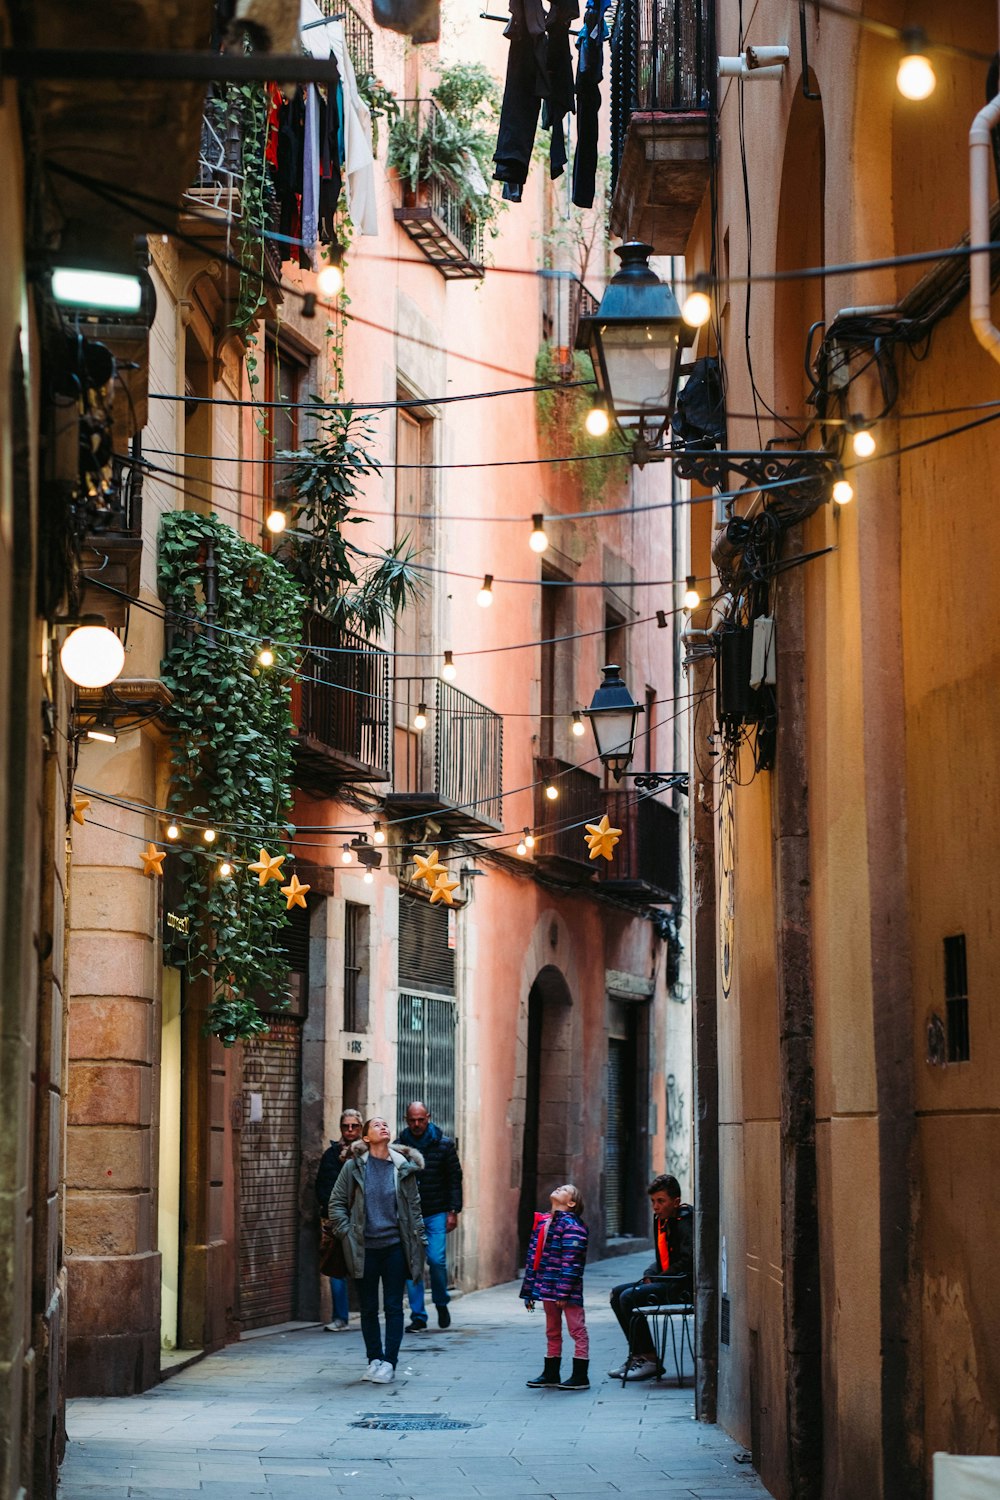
x=663 y=1314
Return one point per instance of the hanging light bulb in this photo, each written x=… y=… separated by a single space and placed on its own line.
x=225 y=869
x=378 y=837
x=843 y=490
x=330 y=281
x=210 y=835
x=538 y=541
x=529 y=838
x=522 y=847
x=92 y=655
x=915 y=78
x=449 y=671
x=485 y=596
x=266 y=654
x=345 y=858
x=369 y=878
x=579 y=728
x=173 y=832
x=420 y=717
x=692 y=598
x=276 y=520
x=697 y=308
x=551 y=791
x=862 y=437
x=597 y=420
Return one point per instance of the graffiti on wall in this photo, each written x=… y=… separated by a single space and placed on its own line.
x=678 y=1133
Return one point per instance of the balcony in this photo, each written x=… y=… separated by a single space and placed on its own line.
x=357 y=36
x=212 y=205
x=109 y=526
x=647 y=863
x=453 y=770
x=567 y=300
x=341 y=704
x=559 y=830
x=662 y=61
x=430 y=212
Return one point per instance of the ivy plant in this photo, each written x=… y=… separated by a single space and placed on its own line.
x=560 y=416
x=241 y=113
x=230 y=756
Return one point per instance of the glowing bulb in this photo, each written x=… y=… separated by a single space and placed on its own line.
x=552 y=792
x=697 y=309
x=538 y=541
x=105 y=736
x=597 y=421
x=915 y=77
x=265 y=655
x=210 y=835
x=843 y=492
x=579 y=728
x=863 y=443
x=276 y=521
x=369 y=878
x=522 y=847
x=345 y=858
x=420 y=717
x=225 y=869
x=449 y=671
x=330 y=281
x=92 y=655
x=692 y=598
x=529 y=838
x=485 y=596
x=378 y=837
x=173 y=832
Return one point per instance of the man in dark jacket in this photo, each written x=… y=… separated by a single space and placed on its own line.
x=440 y=1185
x=669 y=1279
x=330 y=1166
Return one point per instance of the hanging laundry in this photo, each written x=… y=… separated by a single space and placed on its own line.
x=589 y=73
x=348 y=113
x=420 y=20
x=290 y=162
x=539 y=74
x=330 y=154
x=310 y=167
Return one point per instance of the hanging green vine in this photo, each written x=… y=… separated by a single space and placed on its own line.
x=241 y=116
x=231 y=756
x=560 y=415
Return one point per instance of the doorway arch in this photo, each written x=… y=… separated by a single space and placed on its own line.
x=551 y=1096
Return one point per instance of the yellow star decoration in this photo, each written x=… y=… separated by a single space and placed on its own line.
x=80 y=805
x=268 y=867
x=152 y=860
x=429 y=867
x=295 y=892
x=602 y=838
x=443 y=888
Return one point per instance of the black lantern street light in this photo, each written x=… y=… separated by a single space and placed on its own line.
x=635 y=340
x=613 y=715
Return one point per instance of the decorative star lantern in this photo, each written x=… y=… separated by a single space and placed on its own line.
x=429 y=868
x=602 y=838
x=267 y=867
x=152 y=860
x=80 y=805
x=443 y=888
x=295 y=892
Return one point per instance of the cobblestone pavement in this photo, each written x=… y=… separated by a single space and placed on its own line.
x=273 y=1416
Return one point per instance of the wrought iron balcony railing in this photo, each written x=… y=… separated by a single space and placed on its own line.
x=646 y=865
x=559 y=831
x=357 y=34
x=108 y=522
x=341 y=704
x=453 y=770
x=431 y=212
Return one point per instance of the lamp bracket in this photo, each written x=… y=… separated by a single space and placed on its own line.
x=803 y=476
x=658 y=781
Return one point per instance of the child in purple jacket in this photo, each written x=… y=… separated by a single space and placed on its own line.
x=553 y=1275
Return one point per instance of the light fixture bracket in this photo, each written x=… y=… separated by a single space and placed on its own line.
x=802 y=477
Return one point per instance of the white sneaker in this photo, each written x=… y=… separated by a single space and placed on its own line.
x=372 y=1371
x=643 y=1369
x=619 y=1374
x=339 y=1325
x=383 y=1374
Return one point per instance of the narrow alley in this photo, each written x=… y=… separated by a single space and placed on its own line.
x=283 y=1416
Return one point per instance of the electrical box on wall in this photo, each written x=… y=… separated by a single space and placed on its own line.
x=736 y=702
x=763 y=671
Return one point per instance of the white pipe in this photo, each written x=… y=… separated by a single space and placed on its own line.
x=737 y=67
x=980 y=167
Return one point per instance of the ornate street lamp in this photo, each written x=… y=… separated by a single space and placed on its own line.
x=634 y=340
x=613 y=715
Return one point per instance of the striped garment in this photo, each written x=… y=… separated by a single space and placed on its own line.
x=556 y=1275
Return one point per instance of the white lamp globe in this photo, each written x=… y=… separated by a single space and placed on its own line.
x=92 y=655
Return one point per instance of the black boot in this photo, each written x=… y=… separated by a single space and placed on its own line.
x=550 y=1375
x=578 y=1381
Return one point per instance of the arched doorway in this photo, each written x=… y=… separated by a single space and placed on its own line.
x=551 y=1088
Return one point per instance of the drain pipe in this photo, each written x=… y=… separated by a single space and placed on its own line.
x=980 y=164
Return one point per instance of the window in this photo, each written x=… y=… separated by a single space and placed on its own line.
x=615 y=648
x=357 y=952
x=414 y=530
x=956 y=992
x=284 y=381
x=557 y=661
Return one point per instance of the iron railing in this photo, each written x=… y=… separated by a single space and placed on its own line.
x=649 y=850
x=431 y=192
x=468 y=753
x=660 y=63
x=357 y=34
x=559 y=830
x=344 y=697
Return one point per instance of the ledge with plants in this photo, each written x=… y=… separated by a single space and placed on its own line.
x=561 y=415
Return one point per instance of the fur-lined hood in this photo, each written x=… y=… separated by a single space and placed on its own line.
x=404 y=1158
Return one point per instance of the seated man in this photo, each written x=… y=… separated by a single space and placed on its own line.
x=669 y=1279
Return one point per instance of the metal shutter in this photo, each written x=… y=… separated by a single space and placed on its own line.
x=425 y=1054
x=614 y=1145
x=426 y=947
x=269 y=1175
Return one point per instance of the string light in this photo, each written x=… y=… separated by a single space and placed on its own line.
x=330 y=281
x=210 y=835
x=378 y=837
x=449 y=671
x=276 y=520
x=843 y=490
x=579 y=728
x=485 y=596
x=225 y=869
x=692 y=598
x=915 y=78
x=597 y=421
x=420 y=717
x=266 y=654
x=522 y=847
x=862 y=437
x=538 y=541
x=697 y=308
x=369 y=878
x=173 y=832
x=345 y=858
x=551 y=791
x=529 y=838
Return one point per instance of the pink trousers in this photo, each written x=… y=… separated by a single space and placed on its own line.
x=576 y=1327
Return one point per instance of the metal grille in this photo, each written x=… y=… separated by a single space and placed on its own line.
x=269 y=1176
x=425 y=1055
x=356 y=940
x=357 y=35
x=426 y=961
x=469 y=753
x=414 y=1421
x=614 y=1144
x=343 y=695
x=650 y=846
x=659 y=62
x=559 y=824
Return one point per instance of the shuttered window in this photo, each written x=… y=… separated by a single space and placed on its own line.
x=427 y=1011
x=426 y=947
x=269 y=1174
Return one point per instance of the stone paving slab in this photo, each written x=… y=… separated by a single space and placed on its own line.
x=271 y=1417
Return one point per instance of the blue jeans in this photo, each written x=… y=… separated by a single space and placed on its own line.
x=387 y=1266
x=437 y=1260
x=341 y=1305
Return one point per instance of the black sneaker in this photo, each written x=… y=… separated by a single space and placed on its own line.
x=444 y=1317
x=417 y=1325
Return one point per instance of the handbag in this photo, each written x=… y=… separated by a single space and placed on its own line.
x=331 y=1253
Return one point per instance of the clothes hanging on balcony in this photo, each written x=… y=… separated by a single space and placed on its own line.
x=352 y=119
x=290 y=158
x=330 y=156
x=589 y=73
x=539 y=73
